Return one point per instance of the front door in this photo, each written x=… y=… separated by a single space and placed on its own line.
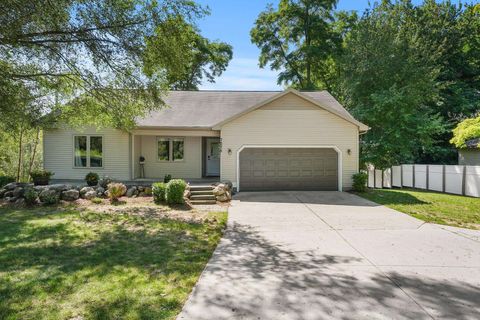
x=213 y=157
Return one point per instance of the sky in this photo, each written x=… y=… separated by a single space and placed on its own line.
x=230 y=21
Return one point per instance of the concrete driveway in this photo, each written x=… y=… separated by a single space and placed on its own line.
x=332 y=255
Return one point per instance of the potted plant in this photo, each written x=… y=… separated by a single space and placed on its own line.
x=92 y=179
x=41 y=177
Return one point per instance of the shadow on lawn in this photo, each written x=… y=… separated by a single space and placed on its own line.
x=249 y=276
x=392 y=197
x=132 y=267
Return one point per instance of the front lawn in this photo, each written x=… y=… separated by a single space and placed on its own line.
x=430 y=206
x=78 y=264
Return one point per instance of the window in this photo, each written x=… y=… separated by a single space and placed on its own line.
x=170 y=149
x=88 y=151
x=163 y=149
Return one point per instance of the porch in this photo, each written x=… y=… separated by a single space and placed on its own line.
x=193 y=155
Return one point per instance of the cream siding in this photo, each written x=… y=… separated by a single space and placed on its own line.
x=290 y=121
x=189 y=168
x=59 y=150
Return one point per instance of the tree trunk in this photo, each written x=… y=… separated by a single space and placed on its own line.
x=32 y=160
x=20 y=146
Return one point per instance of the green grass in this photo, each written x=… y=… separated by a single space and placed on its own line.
x=68 y=264
x=430 y=206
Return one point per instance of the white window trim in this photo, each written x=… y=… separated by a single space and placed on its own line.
x=88 y=150
x=170 y=149
x=339 y=153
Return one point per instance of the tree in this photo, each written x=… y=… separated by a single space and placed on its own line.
x=298 y=39
x=389 y=81
x=466 y=130
x=198 y=57
x=91 y=54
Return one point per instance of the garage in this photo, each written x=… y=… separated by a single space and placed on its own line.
x=288 y=168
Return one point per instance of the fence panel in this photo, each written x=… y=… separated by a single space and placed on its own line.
x=387 y=178
x=472 y=181
x=397 y=176
x=371 y=177
x=378 y=178
x=420 y=176
x=435 y=177
x=453 y=179
x=407 y=175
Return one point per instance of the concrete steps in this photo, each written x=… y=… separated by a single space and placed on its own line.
x=202 y=195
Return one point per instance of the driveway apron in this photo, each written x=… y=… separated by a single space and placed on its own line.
x=333 y=255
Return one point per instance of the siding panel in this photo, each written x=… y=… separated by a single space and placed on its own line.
x=58 y=154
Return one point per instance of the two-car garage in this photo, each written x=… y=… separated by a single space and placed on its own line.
x=288 y=168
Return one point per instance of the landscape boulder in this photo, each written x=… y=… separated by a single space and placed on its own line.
x=49 y=196
x=100 y=192
x=70 y=195
x=132 y=191
x=90 y=194
x=84 y=191
x=18 y=192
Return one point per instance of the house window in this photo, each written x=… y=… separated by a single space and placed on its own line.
x=88 y=151
x=170 y=149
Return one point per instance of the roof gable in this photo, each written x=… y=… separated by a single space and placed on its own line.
x=329 y=104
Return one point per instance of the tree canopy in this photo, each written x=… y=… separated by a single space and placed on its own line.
x=466 y=130
x=91 y=54
x=298 y=39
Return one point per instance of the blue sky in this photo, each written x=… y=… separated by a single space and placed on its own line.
x=231 y=21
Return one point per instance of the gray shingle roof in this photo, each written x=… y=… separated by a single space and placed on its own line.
x=205 y=109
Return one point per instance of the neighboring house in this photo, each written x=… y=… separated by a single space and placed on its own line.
x=470 y=156
x=259 y=140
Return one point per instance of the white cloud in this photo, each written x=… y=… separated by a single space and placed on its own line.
x=244 y=74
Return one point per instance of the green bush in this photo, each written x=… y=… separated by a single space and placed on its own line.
x=92 y=179
x=174 y=191
x=41 y=177
x=116 y=190
x=4 y=180
x=360 y=181
x=30 y=196
x=96 y=200
x=167 y=178
x=158 y=191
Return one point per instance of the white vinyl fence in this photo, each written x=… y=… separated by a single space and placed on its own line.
x=463 y=180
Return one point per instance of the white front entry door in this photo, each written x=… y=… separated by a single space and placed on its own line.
x=213 y=157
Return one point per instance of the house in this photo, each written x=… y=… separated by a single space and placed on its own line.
x=259 y=140
x=470 y=155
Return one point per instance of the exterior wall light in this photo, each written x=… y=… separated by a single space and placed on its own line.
x=229 y=151
x=349 y=151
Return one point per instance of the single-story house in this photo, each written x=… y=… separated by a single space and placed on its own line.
x=259 y=140
x=470 y=155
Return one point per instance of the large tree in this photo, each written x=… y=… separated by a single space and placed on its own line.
x=389 y=82
x=411 y=72
x=91 y=54
x=198 y=58
x=299 y=40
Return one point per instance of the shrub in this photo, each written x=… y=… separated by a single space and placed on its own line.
x=92 y=179
x=167 y=178
x=116 y=190
x=360 y=181
x=30 y=196
x=96 y=200
x=174 y=191
x=158 y=191
x=41 y=177
x=105 y=182
x=4 y=180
